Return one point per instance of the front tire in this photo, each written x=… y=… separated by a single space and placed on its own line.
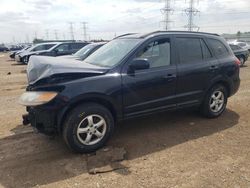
x=88 y=127
x=215 y=102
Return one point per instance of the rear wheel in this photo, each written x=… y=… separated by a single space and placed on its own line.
x=215 y=101
x=88 y=127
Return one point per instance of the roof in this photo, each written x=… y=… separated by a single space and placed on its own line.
x=154 y=33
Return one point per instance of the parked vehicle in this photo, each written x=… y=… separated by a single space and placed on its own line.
x=24 y=55
x=133 y=75
x=84 y=52
x=241 y=53
x=243 y=45
x=62 y=48
x=3 y=49
x=13 y=53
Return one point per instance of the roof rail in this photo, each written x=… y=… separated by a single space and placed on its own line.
x=155 y=32
x=124 y=35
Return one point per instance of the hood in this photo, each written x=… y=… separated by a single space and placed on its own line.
x=43 y=67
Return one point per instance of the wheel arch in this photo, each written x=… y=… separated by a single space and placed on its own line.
x=102 y=100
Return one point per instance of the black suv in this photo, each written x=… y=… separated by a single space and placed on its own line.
x=133 y=75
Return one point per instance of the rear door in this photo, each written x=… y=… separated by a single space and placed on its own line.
x=193 y=70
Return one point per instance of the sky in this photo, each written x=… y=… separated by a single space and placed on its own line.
x=22 y=20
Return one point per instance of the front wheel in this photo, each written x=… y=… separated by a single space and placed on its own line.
x=88 y=127
x=215 y=101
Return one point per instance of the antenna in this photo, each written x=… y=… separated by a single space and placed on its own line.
x=191 y=11
x=166 y=11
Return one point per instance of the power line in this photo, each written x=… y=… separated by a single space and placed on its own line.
x=191 y=11
x=166 y=11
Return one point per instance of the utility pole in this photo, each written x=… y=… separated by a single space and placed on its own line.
x=191 y=11
x=166 y=11
x=84 y=28
x=71 y=30
x=56 y=35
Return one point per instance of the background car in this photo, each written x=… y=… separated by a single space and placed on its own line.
x=3 y=49
x=241 y=53
x=84 y=52
x=60 y=49
x=14 y=52
x=32 y=50
x=243 y=45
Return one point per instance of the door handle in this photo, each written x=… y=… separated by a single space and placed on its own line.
x=213 y=67
x=169 y=77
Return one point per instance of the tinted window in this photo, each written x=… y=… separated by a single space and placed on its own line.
x=76 y=46
x=157 y=53
x=218 y=47
x=48 y=46
x=189 y=50
x=205 y=51
x=63 y=47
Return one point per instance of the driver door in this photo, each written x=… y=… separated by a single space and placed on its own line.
x=153 y=89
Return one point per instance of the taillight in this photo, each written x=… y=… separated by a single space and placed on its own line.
x=237 y=61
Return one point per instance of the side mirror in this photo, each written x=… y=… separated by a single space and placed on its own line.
x=138 y=64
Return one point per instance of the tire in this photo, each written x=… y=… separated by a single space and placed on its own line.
x=209 y=106
x=242 y=61
x=79 y=130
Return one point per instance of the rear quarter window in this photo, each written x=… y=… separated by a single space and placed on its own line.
x=218 y=47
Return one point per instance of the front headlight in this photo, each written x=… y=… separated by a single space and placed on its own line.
x=34 y=98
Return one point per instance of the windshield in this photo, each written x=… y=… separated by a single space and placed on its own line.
x=83 y=51
x=112 y=53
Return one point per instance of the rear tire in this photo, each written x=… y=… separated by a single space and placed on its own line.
x=88 y=127
x=215 y=101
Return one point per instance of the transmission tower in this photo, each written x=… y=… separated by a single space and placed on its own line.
x=56 y=34
x=71 y=30
x=47 y=34
x=166 y=11
x=191 y=11
x=84 y=28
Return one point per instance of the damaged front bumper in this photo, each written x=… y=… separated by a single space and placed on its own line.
x=43 y=120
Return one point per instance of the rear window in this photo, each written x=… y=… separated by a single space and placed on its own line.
x=218 y=47
x=189 y=49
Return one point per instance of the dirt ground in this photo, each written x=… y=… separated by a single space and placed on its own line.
x=180 y=149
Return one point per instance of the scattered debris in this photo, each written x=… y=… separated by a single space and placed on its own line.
x=23 y=71
x=106 y=160
x=9 y=73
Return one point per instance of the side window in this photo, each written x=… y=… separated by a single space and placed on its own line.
x=205 y=51
x=48 y=46
x=189 y=50
x=63 y=48
x=39 y=48
x=218 y=47
x=157 y=53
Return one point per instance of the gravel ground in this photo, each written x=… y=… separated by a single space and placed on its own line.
x=180 y=149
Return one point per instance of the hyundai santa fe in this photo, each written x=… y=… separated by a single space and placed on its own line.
x=132 y=75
